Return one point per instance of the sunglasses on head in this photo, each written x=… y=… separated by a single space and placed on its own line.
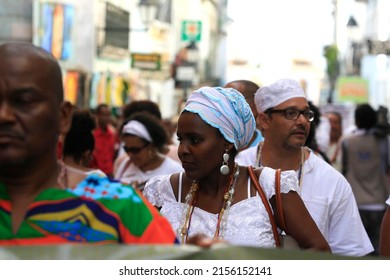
x=134 y=150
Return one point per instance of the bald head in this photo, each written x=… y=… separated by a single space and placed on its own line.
x=29 y=57
x=246 y=87
x=248 y=90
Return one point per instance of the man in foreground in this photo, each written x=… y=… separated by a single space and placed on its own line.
x=36 y=205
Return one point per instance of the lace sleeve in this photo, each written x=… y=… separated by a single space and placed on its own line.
x=288 y=181
x=156 y=189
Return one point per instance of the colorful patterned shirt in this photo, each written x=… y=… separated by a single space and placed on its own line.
x=98 y=211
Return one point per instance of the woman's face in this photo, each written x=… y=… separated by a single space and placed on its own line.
x=201 y=146
x=137 y=149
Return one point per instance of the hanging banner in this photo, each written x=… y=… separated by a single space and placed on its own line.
x=55 y=29
x=352 y=89
x=71 y=86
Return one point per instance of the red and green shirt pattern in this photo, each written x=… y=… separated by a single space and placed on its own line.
x=98 y=211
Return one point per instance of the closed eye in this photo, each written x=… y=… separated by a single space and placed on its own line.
x=25 y=96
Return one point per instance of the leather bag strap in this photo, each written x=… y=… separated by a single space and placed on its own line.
x=278 y=196
x=267 y=206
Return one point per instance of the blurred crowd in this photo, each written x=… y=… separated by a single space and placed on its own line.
x=208 y=174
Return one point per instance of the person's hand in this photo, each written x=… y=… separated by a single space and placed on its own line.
x=202 y=240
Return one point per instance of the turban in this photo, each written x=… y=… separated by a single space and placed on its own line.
x=226 y=110
x=274 y=94
x=138 y=129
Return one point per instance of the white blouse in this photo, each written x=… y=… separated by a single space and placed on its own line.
x=248 y=222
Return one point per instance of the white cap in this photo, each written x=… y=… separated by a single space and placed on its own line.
x=274 y=94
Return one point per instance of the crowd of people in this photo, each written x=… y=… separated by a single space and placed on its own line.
x=72 y=175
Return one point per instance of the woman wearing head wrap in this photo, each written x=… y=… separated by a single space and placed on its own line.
x=144 y=137
x=215 y=196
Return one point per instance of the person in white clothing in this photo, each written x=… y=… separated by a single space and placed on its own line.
x=284 y=117
x=336 y=134
x=146 y=107
x=143 y=137
x=214 y=195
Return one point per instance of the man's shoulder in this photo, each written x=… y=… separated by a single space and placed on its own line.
x=247 y=156
x=319 y=165
x=249 y=151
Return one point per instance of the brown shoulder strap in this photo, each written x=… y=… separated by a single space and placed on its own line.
x=278 y=196
x=267 y=206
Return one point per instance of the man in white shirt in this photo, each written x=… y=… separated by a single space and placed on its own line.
x=284 y=117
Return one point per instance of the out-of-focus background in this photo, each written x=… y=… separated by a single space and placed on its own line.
x=117 y=51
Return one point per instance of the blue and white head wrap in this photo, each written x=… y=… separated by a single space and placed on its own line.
x=226 y=110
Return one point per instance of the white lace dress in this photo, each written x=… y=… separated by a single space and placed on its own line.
x=247 y=224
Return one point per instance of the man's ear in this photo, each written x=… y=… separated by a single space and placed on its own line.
x=263 y=120
x=66 y=113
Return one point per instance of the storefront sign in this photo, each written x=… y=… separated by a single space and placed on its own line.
x=191 y=30
x=146 y=61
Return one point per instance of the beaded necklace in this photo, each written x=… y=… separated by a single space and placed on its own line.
x=190 y=201
x=300 y=170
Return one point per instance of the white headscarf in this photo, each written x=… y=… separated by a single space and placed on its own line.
x=274 y=94
x=138 y=129
x=226 y=110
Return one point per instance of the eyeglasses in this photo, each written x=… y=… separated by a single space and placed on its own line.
x=134 y=150
x=293 y=114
